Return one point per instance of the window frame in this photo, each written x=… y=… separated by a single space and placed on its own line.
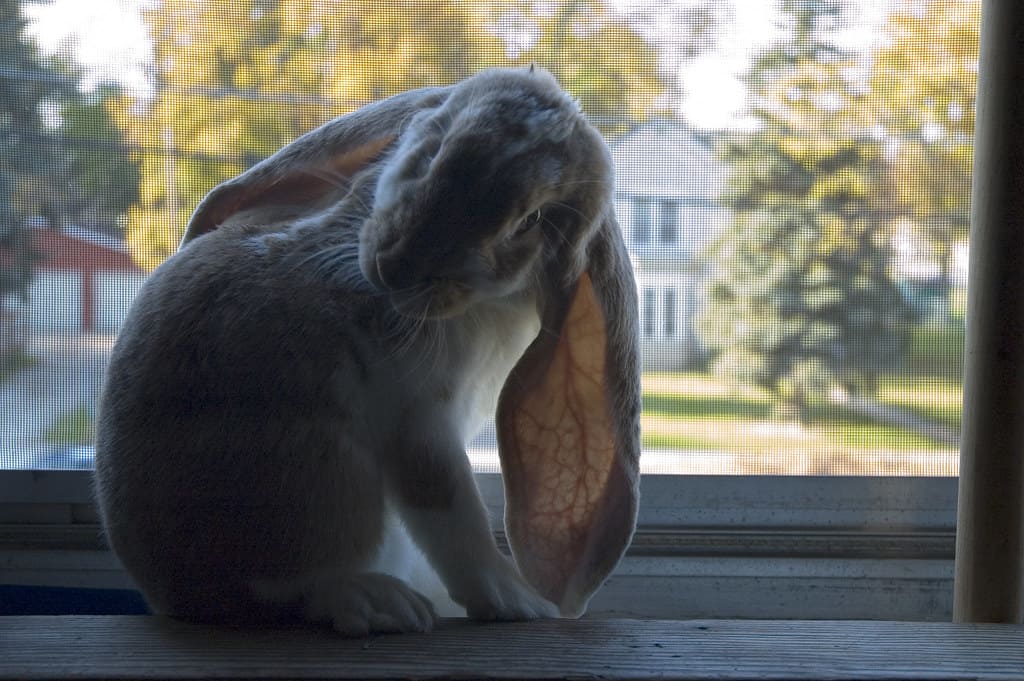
x=808 y=547
x=39 y=509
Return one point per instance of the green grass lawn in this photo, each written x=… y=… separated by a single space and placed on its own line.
x=935 y=399
x=936 y=351
x=930 y=384
x=77 y=427
x=698 y=411
x=15 y=362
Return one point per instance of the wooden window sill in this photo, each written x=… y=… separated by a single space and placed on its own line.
x=160 y=648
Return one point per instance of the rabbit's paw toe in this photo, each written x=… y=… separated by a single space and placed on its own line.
x=375 y=603
x=505 y=596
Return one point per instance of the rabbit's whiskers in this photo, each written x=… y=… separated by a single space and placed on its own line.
x=355 y=197
x=339 y=263
x=576 y=183
x=566 y=206
x=331 y=177
x=404 y=125
x=436 y=349
x=344 y=182
x=538 y=283
x=440 y=128
x=407 y=330
x=561 y=235
x=401 y=336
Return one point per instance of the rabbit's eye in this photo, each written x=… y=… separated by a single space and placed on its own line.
x=527 y=224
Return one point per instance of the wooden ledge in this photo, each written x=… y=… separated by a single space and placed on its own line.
x=159 y=648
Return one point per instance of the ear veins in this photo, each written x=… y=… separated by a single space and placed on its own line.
x=312 y=180
x=565 y=439
x=299 y=182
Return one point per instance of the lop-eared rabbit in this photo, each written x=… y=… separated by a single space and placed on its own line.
x=299 y=380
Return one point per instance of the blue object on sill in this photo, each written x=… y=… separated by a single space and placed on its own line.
x=56 y=600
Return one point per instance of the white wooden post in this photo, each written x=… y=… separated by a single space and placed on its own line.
x=990 y=522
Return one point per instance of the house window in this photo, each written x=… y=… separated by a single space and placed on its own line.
x=648 y=315
x=660 y=316
x=668 y=222
x=642 y=209
x=671 y=312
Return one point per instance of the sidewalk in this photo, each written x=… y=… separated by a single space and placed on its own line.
x=894 y=416
x=67 y=375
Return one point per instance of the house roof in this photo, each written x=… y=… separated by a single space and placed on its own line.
x=663 y=157
x=80 y=249
x=92 y=237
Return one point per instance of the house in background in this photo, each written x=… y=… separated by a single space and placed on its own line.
x=83 y=282
x=666 y=199
x=667 y=185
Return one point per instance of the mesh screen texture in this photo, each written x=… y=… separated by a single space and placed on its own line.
x=792 y=182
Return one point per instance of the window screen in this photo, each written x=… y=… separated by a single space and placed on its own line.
x=792 y=181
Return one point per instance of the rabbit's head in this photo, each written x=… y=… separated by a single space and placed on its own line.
x=502 y=177
x=496 y=187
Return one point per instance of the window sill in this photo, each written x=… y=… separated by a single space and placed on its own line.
x=759 y=547
x=159 y=648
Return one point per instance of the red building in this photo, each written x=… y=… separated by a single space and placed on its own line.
x=83 y=281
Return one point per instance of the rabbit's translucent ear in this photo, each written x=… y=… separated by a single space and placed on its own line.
x=568 y=429
x=315 y=166
x=294 y=186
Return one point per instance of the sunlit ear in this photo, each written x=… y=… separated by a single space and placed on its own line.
x=292 y=184
x=568 y=429
x=314 y=166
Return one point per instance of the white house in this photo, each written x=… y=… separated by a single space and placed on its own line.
x=667 y=185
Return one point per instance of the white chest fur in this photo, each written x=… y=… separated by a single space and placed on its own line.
x=446 y=375
x=493 y=340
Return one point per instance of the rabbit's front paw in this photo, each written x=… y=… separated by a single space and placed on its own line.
x=501 y=594
x=372 y=603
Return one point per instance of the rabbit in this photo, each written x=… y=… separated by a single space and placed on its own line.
x=302 y=375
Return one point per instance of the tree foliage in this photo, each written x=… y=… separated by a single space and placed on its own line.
x=923 y=84
x=800 y=298
x=26 y=86
x=596 y=55
x=236 y=81
x=98 y=179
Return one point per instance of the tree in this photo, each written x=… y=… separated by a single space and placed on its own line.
x=27 y=86
x=681 y=31
x=597 y=57
x=622 y=65
x=101 y=180
x=234 y=82
x=800 y=298
x=923 y=84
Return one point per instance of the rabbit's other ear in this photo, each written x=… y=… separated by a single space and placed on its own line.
x=569 y=430
x=318 y=164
